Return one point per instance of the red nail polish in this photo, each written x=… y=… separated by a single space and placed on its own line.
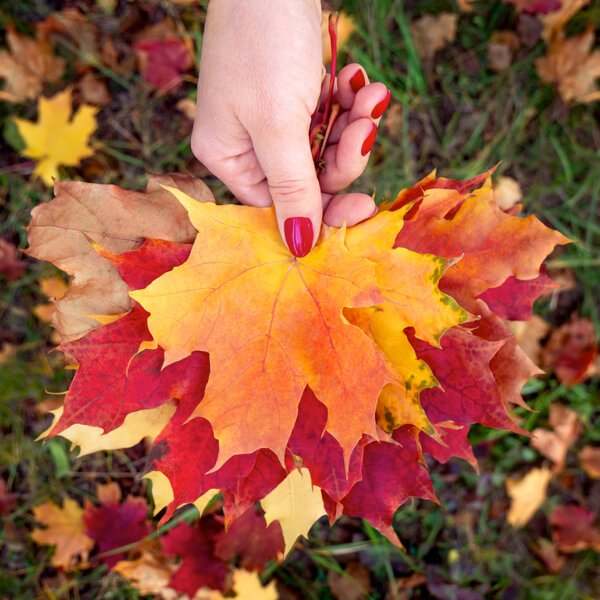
x=369 y=141
x=357 y=81
x=381 y=106
x=299 y=235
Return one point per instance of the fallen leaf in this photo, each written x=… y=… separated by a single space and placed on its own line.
x=249 y=538
x=507 y=193
x=537 y=6
x=501 y=50
x=546 y=551
x=54 y=288
x=555 y=444
x=529 y=335
x=93 y=90
x=57 y=138
x=296 y=504
x=29 y=63
x=114 y=524
x=465 y=5
x=573 y=529
x=345 y=29
x=431 y=33
x=8 y=500
x=353 y=584
x=572 y=63
x=10 y=265
x=150 y=572
x=555 y=21
x=117 y=220
x=199 y=567
x=247 y=586
x=187 y=106
x=589 y=459
x=527 y=495
x=162 y=62
x=571 y=351
x=65 y=529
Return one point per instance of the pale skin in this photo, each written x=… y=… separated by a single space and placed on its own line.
x=259 y=85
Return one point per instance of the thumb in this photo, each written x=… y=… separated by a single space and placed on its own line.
x=285 y=157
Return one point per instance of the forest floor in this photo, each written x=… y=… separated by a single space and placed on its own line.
x=466 y=95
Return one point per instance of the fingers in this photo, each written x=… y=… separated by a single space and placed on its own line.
x=284 y=154
x=348 y=208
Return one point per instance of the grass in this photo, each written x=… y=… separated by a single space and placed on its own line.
x=453 y=114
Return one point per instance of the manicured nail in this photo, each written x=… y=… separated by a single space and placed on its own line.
x=369 y=141
x=299 y=235
x=381 y=106
x=357 y=81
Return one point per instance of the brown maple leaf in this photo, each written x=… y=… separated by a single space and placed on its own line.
x=27 y=66
x=117 y=220
x=571 y=63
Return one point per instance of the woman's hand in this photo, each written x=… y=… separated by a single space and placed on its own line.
x=260 y=85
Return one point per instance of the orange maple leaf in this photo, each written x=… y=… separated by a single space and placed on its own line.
x=291 y=332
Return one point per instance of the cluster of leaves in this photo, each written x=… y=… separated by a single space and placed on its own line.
x=259 y=374
x=186 y=559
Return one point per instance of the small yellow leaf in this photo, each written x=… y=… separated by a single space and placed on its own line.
x=65 y=530
x=57 y=139
x=296 y=504
x=527 y=495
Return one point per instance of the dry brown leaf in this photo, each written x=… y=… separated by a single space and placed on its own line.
x=29 y=63
x=353 y=584
x=54 y=288
x=151 y=572
x=571 y=62
x=65 y=530
x=589 y=458
x=11 y=266
x=529 y=335
x=507 y=193
x=431 y=33
x=527 y=495
x=465 y=5
x=92 y=90
x=345 y=29
x=546 y=551
x=554 y=444
x=501 y=50
x=188 y=107
x=117 y=220
x=573 y=529
x=557 y=19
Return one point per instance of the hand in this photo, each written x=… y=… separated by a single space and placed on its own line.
x=259 y=86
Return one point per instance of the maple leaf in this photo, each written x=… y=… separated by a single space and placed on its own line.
x=296 y=504
x=252 y=540
x=29 y=63
x=57 y=139
x=196 y=546
x=162 y=61
x=118 y=221
x=527 y=495
x=114 y=524
x=271 y=354
x=557 y=19
x=10 y=266
x=573 y=529
x=571 y=62
x=65 y=529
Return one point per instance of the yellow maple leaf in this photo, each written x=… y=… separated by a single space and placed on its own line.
x=57 y=139
x=65 y=530
x=296 y=504
x=527 y=495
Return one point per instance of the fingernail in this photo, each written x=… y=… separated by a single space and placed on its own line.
x=369 y=141
x=381 y=106
x=370 y=216
x=299 y=235
x=357 y=81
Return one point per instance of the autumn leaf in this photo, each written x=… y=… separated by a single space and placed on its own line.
x=65 y=529
x=114 y=524
x=573 y=529
x=118 y=221
x=296 y=504
x=555 y=20
x=57 y=138
x=527 y=495
x=11 y=266
x=537 y=6
x=431 y=33
x=8 y=500
x=573 y=65
x=589 y=458
x=252 y=540
x=199 y=567
x=29 y=63
x=246 y=585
